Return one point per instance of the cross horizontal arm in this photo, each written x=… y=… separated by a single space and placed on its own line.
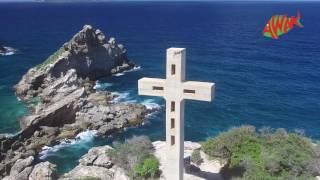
x=201 y=91
x=151 y=87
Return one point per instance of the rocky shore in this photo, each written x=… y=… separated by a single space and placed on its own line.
x=60 y=93
x=97 y=165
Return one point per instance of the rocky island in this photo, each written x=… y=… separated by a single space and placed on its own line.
x=63 y=101
x=6 y=50
x=2 y=49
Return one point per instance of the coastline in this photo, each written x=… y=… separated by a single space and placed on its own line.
x=67 y=104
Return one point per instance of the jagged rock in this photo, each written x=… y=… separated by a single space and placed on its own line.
x=58 y=113
x=100 y=98
x=2 y=49
x=108 y=119
x=44 y=170
x=97 y=157
x=23 y=175
x=96 y=164
x=87 y=52
x=103 y=161
x=20 y=165
x=89 y=171
x=66 y=102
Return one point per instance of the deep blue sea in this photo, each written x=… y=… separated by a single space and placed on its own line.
x=259 y=81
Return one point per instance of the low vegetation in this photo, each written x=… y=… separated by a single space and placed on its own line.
x=136 y=157
x=148 y=168
x=51 y=59
x=267 y=154
x=196 y=157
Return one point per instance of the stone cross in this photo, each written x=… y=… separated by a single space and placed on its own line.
x=175 y=90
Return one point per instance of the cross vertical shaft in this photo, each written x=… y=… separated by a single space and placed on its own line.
x=175 y=90
x=173 y=168
x=175 y=75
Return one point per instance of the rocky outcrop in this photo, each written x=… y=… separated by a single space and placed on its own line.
x=88 y=52
x=6 y=50
x=21 y=164
x=2 y=49
x=25 y=169
x=44 y=170
x=96 y=164
x=64 y=103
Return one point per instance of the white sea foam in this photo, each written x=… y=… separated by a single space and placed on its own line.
x=136 y=68
x=8 y=135
x=118 y=74
x=101 y=86
x=131 y=101
x=150 y=104
x=121 y=97
x=7 y=53
x=81 y=138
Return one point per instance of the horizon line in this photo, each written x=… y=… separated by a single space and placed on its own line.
x=114 y=1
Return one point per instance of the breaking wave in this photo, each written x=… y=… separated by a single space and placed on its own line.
x=127 y=98
x=151 y=105
x=101 y=86
x=136 y=68
x=81 y=138
x=118 y=74
x=121 y=97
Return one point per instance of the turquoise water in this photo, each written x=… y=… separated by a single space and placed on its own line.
x=10 y=110
x=259 y=81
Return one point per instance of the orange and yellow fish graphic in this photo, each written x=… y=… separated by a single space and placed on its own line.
x=281 y=24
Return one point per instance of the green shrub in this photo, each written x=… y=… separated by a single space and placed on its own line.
x=135 y=156
x=51 y=59
x=267 y=154
x=148 y=168
x=196 y=157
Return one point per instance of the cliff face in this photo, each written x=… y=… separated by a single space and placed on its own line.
x=88 y=53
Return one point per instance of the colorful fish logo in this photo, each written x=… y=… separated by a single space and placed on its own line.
x=281 y=24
